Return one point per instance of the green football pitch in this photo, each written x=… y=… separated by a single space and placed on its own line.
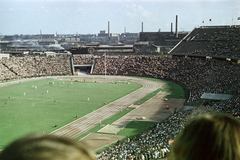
x=36 y=111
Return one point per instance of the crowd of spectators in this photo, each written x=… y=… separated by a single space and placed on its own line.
x=23 y=67
x=212 y=41
x=53 y=66
x=27 y=67
x=148 y=66
x=155 y=142
x=113 y=65
x=206 y=76
x=5 y=73
x=198 y=75
x=80 y=60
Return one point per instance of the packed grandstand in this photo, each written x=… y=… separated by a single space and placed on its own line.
x=198 y=74
x=210 y=40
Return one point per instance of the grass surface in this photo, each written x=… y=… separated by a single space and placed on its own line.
x=177 y=91
x=132 y=129
x=37 y=112
x=135 y=127
x=106 y=122
x=147 y=97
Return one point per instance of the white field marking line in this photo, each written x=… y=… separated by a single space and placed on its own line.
x=22 y=81
x=7 y=126
x=3 y=124
x=88 y=119
x=90 y=122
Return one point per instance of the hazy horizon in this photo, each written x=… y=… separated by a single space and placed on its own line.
x=89 y=17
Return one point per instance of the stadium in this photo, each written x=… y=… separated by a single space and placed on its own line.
x=205 y=61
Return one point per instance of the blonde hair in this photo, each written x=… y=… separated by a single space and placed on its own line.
x=46 y=147
x=209 y=137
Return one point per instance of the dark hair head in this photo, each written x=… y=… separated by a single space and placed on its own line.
x=209 y=137
x=46 y=147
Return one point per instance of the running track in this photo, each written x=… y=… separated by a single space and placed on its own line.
x=83 y=124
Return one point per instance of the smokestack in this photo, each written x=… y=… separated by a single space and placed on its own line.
x=176 y=26
x=109 y=30
x=142 y=26
x=41 y=34
x=171 y=27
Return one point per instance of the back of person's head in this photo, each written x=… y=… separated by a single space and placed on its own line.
x=209 y=137
x=46 y=147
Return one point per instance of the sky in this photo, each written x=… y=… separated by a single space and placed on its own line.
x=91 y=16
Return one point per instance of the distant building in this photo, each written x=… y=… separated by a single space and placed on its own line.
x=162 y=38
x=46 y=42
x=4 y=44
x=104 y=34
x=163 y=41
x=116 y=48
x=47 y=36
x=4 y=56
x=72 y=39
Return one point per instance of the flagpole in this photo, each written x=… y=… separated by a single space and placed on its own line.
x=105 y=65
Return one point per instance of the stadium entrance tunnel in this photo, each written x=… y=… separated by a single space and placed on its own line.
x=82 y=69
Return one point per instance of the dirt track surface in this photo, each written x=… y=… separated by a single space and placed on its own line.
x=96 y=141
x=153 y=110
x=83 y=124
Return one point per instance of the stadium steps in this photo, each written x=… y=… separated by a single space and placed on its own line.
x=179 y=48
x=10 y=69
x=70 y=63
x=94 y=64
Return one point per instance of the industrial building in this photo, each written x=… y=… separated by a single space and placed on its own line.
x=165 y=40
x=124 y=43
x=101 y=49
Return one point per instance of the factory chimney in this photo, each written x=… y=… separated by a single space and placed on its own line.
x=41 y=34
x=171 y=27
x=109 y=30
x=176 y=26
x=142 y=26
